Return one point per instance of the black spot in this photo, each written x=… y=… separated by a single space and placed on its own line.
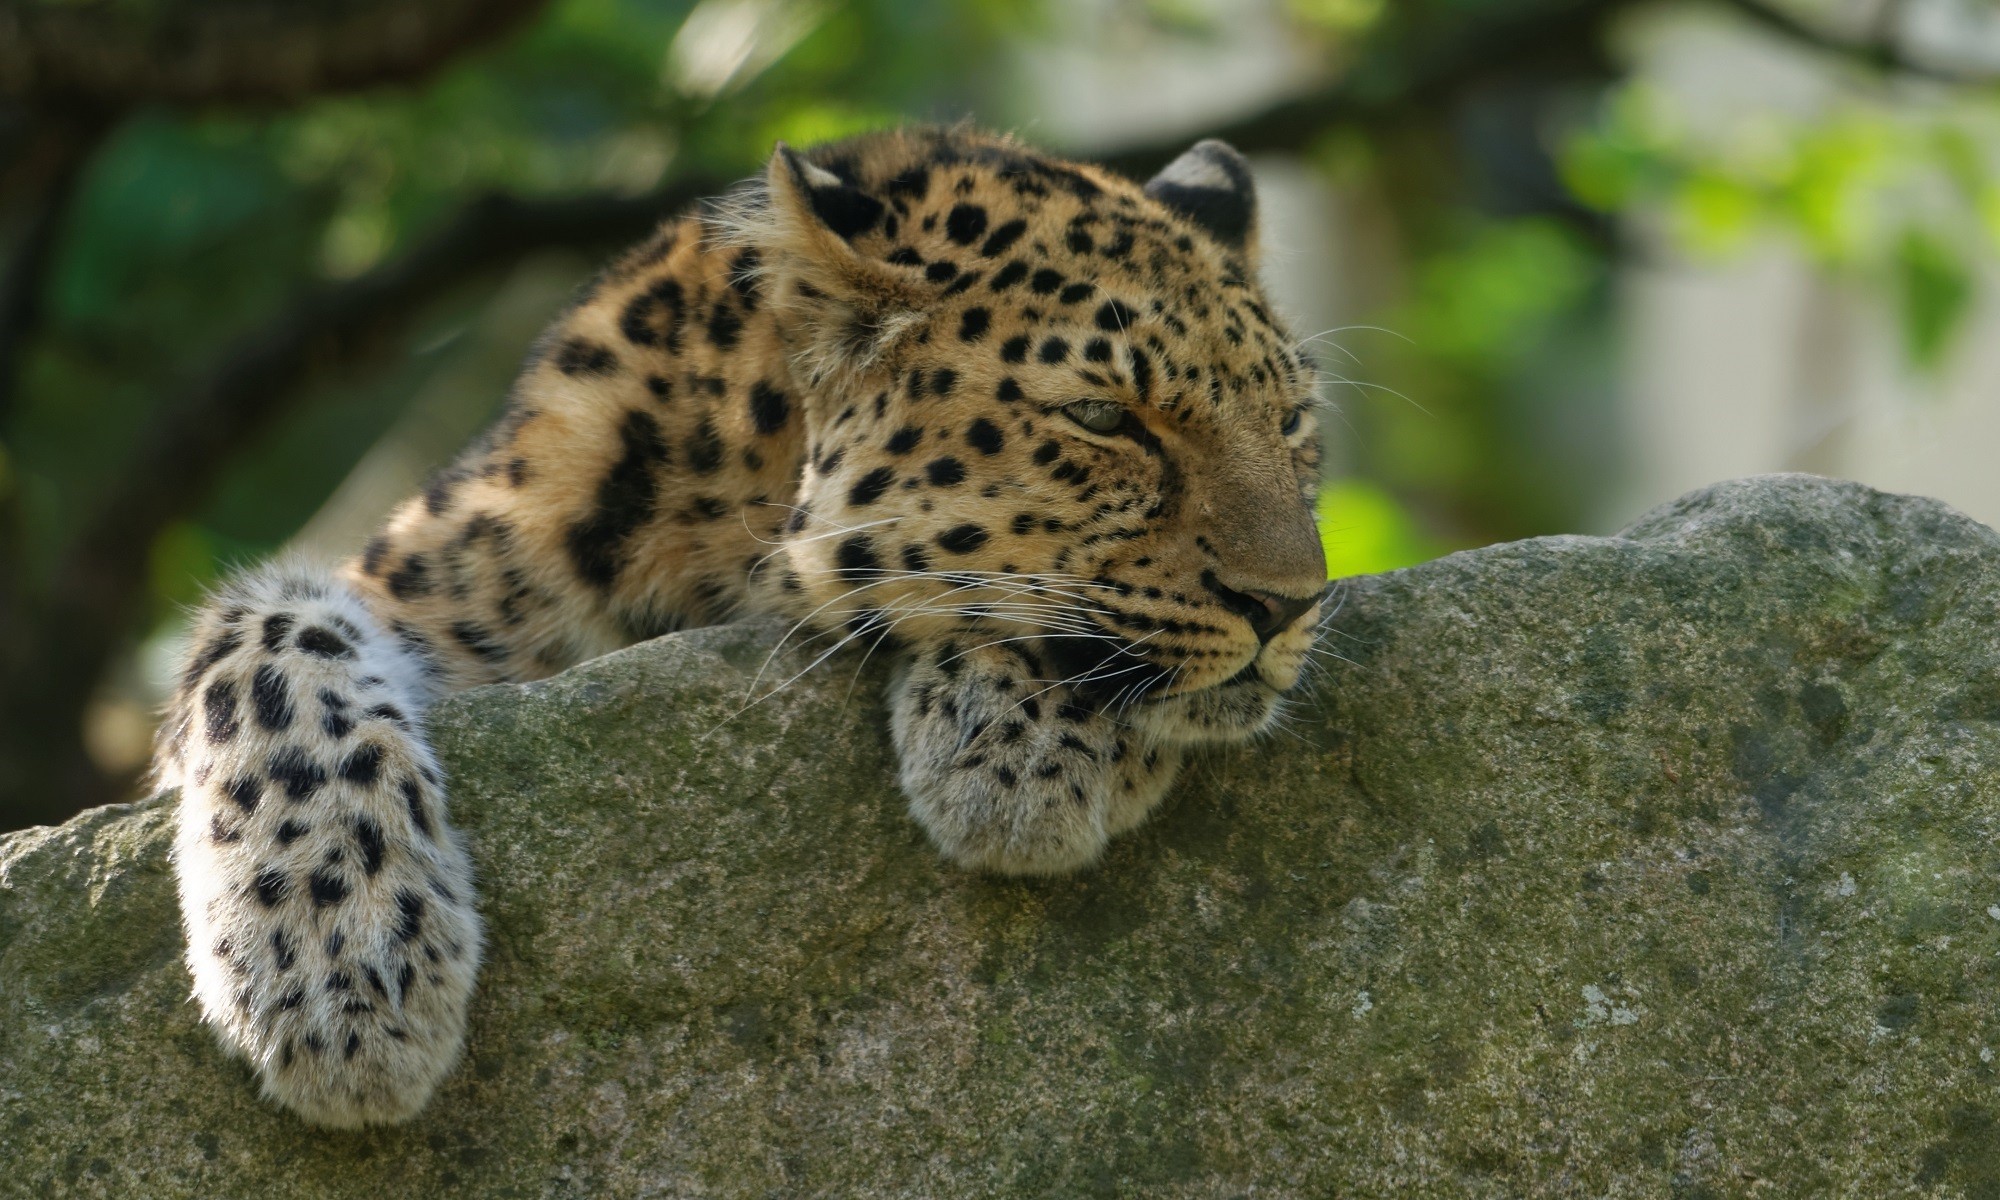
x=327 y=888
x=704 y=451
x=439 y=487
x=336 y=724
x=965 y=224
x=973 y=324
x=1045 y=281
x=217 y=650
x=283 y=954
x=1015 y=349
x=940 y=271
x=871 y=486
x=903 y=256
x=962 y=539
x=845 y=211
x=290 y=831
x=1008 y=391
x=984 y=436
x=371 y=557
x=637 y=322
x=272 y=698
x=1054 y=350
x=1142 y=373
x=245 y=791
x=1079 y=241
x=1097 y=350
x=770 y=407
x=1006 y=776
x=219 y=705
x=903 y=440
x=412 y=580
x=413 y=796
x=1113 y=316
x=478 y=639
x=661 y=387
x=625 y=500
x=409 y=914
x=362 y=765
x=724 y=326
x=271 y=886
x=277 y=625
x=1076 y=292
x=324 y=642
x=578 y=356
x=1046 y=453
x=353 y=1045
x=915 y=559
x=856 y=559
x=1002 y=237
x=944 y=472
x=943 y=380
x=913 y=182
x=299 y=775
x=1009 y=275
x=368 y=837
x=387 y=712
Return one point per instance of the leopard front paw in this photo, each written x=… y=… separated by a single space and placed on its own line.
x=1010 y=774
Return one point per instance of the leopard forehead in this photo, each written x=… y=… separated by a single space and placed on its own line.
x=1037 y=263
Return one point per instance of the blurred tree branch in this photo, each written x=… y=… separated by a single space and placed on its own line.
x=43 y=178
x=1882 y=51
x=191 y=51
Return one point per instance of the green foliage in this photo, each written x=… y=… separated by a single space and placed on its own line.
x=1900 y=196
x=1495 y=383
x=1365 y=531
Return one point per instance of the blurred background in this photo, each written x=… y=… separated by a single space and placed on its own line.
x=268 y=262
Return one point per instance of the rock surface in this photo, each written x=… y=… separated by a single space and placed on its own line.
x=1659 y=864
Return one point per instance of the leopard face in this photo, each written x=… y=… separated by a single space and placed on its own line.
x=1051 y=410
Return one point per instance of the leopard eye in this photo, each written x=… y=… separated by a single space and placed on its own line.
x=1293 y=420
x=1098 y=416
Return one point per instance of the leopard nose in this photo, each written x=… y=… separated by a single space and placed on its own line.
x=1269 y=614
x=1279 y=612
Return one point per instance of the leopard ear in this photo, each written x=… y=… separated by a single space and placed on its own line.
x=850 y=309
x=1210 y=185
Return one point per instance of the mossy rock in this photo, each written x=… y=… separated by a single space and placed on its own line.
x=1663 y=864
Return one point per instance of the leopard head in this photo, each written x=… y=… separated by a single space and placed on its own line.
x=1048 y=408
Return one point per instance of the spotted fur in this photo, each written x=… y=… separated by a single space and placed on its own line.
x=1029 y=422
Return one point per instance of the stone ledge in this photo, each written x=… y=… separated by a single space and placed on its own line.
x=1598 y=866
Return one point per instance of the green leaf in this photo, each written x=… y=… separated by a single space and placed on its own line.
x=1935 y=291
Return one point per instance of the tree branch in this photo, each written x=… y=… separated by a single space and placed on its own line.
x=53 y=161
x=1416 y=76
x=197 y=51
x=1880 y=53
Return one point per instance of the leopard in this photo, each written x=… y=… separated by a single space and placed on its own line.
x=1030 y=426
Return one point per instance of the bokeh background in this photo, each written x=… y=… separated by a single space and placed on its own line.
x=268 y=262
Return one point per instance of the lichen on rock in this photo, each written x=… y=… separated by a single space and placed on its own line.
x=1655 y=864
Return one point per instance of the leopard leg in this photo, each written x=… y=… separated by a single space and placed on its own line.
x=329 y=908
x=1011 y=775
